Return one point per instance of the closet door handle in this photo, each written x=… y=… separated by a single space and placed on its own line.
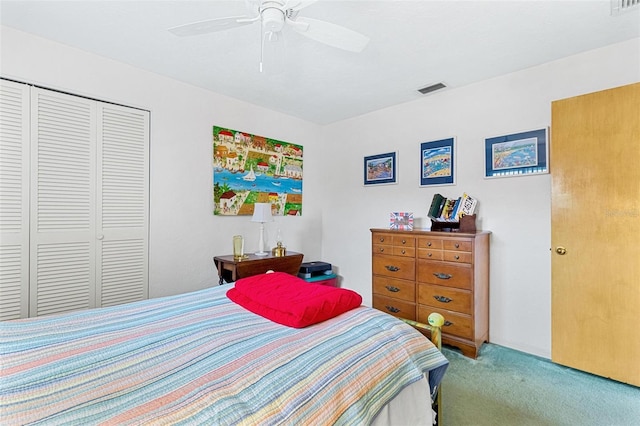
x=100 y=237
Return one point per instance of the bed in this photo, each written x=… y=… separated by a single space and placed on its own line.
x=201 y=358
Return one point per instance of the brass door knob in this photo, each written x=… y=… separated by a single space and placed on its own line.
x=561 y=250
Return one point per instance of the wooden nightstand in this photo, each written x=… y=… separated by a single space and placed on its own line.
x=230 y=269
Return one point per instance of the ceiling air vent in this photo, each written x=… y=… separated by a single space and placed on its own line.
x=434 y=87
x=621 y=6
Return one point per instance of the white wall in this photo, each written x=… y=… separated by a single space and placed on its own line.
x=184 y=233
x=516 y=210
x=338 y=210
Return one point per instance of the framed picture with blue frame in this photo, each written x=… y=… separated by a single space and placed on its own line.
x=518 y=154
x=437 y=162
x=381 y=169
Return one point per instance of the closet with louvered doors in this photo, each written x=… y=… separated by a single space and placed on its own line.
x=87 y=215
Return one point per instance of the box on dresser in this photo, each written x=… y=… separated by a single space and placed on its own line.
x=418 y=272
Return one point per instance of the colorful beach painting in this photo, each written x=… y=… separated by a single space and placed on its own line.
x=520 y=153
x=250 y=169
x=437 y=162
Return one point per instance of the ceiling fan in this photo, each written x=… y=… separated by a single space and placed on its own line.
x=273 y=16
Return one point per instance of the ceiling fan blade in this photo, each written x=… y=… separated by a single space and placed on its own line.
x=212 y=25
x=330 y=34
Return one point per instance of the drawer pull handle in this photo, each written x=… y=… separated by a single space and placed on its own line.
x=403 y=252
x=447 y=323
x=430 y=254
x=429 y=244
x=381 y=250
x=456 y=257
x=392 y=309
x=443 y=276
x=382 y=239
x=392 y=268
x=457 y=245
x=404 y=241
x=392 y=289
x=442 y=299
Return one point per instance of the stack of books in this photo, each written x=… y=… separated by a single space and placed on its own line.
x=444 y=209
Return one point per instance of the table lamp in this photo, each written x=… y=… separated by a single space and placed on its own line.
x=261 y=214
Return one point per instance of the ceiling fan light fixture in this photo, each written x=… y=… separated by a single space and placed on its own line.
x=272 y=16
x=432 y=88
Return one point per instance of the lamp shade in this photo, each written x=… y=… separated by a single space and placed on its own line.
x=262 y=213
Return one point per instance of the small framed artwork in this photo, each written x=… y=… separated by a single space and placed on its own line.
x=518 y=154
x=380 y=169
x=401 y=221
x=437 y=162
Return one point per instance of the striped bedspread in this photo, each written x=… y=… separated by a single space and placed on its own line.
x=198 y=359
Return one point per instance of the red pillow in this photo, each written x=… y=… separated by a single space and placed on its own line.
x=291 y=301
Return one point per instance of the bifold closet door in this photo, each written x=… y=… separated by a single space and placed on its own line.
x=123 y=205
x=14 y=200
x=63 y=203
x=74 y=202
x=89 y=203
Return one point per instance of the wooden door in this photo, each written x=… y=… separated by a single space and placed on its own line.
x=595 y=170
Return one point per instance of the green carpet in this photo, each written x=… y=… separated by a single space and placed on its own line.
x=508 y=387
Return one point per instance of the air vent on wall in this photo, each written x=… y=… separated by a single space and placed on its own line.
x=621 y=6
x=433 y=87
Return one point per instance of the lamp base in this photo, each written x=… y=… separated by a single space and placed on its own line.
x=261 y=253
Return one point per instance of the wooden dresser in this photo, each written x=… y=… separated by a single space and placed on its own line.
x=416 y=273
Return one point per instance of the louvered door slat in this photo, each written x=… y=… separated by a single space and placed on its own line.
x=63 y=222
x=123 y=204
x=14 y=200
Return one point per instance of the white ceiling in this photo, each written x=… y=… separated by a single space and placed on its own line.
x=413 y=44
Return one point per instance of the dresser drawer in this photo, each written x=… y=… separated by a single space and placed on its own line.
x=382 y=238
x=391 y=287
x=452 y=299
x=404 y=251
x=397 y=308
x=457 y=245
x=404 y=241
x=457 y=256
x=445 y=274
x=430 y=243
x=454 y=323
x=432 y=254
x=394 y=267
x=382 y=249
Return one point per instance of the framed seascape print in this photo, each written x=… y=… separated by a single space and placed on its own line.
x=380 y=169
x=518 y=154
x=437 y=162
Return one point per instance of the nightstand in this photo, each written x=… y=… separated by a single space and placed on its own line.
x=230 y=269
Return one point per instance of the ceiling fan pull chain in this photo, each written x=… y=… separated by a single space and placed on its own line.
x=261 y=46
